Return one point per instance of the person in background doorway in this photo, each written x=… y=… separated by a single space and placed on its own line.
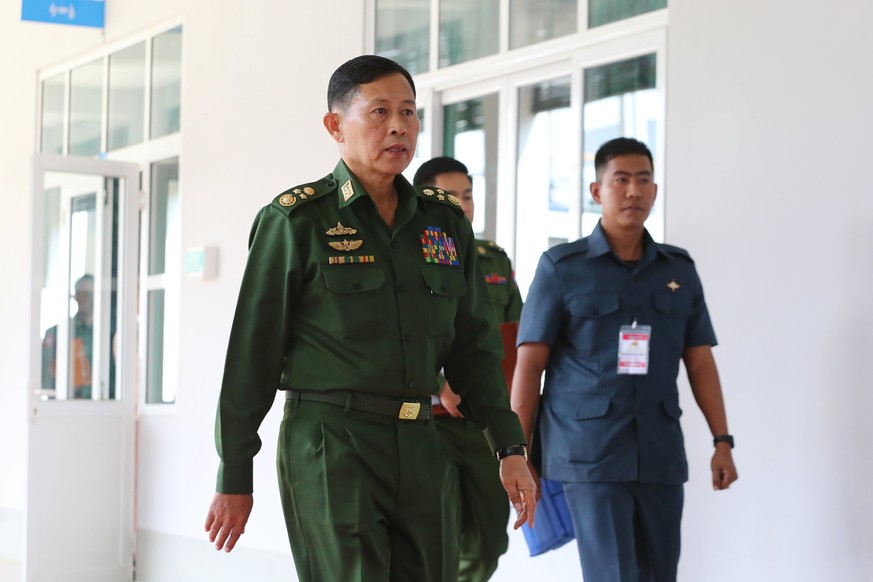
x=483 y=514
x=609 y=318
x=81 y=343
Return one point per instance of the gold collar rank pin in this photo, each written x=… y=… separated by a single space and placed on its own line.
x=348 y=190
x=287 y=200
x=673 y=285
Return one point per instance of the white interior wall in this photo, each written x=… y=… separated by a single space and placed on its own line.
x=768 y=130
x=767 y=117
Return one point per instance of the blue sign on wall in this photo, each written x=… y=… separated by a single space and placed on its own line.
x=73 y=12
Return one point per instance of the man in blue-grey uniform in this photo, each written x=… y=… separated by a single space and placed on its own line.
x=608 y=318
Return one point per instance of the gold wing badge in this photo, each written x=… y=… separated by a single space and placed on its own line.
x=346 y=245
x=340 y=230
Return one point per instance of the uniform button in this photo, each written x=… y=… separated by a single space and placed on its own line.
x=410 y=384
x=356 y=285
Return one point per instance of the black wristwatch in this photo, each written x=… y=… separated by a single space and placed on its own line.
x=723 y=438
x=514 y=450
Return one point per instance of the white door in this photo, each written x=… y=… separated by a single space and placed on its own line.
x=80 y=481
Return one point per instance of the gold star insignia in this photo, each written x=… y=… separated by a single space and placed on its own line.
x=673 y=285
x=428 y=192
x=441 y=197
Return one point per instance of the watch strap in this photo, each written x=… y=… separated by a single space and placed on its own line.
x=723 y=438
x=513 y=450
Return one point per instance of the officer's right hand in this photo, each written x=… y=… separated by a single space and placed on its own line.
x=227 y=518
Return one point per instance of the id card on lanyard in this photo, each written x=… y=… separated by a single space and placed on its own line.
x=633 y=349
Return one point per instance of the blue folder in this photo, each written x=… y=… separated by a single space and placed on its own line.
x=552 y=526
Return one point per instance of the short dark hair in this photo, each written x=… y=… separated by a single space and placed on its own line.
x=428 y=171
x=620 y=146
x=349 y=76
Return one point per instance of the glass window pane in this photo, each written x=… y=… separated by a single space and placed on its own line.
x=533 y=22
x=606 y=11
x=620 y=101
x=52 y=123
x=126 y=97
x=470 y=135
x=86 y=108
x=468 y=30
x=403 y=33
x=155 y=350
x=163 y=212
x=166 y=82
x=544 y=176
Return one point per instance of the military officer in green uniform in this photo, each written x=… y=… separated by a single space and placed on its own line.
x=482 y=513
x=358 y=289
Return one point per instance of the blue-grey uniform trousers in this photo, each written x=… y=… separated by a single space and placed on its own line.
x=626 y=532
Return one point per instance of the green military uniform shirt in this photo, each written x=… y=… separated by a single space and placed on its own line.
x=334 y=299
x=500 y=279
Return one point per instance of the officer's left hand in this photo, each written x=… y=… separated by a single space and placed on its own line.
x=520 y=487
x=723 y=470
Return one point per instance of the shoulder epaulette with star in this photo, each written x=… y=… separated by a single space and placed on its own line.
x=441 y=196
x=299 y=195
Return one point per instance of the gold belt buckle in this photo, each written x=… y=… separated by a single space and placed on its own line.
x=409 y=411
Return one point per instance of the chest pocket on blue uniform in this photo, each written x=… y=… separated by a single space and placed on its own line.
x=594 y=324
x=672 y=312
x=353 y=293
x=445 y=285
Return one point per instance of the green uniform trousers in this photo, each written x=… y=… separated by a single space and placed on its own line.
x=366 y=497
x=484 y=507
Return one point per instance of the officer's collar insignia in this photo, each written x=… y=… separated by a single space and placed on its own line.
x=340 y=230
x=673 y=285
x=348 y=190
x=346 y=245
x=438 y=247
x=428 y=192
x=454 y=200
x=481 y=250
x=351 y=259
x=287 y=200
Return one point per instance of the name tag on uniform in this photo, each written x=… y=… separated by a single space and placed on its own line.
x=633 y=349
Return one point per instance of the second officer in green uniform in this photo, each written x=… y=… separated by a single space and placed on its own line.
x=358 y=289
x=483 y=513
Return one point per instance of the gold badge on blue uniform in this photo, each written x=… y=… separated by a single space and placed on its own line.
x=673 y=285
x=438 y=247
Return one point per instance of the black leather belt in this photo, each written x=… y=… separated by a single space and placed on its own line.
x=413 y=409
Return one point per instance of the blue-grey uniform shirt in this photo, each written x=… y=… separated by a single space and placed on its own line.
x=596 y=425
